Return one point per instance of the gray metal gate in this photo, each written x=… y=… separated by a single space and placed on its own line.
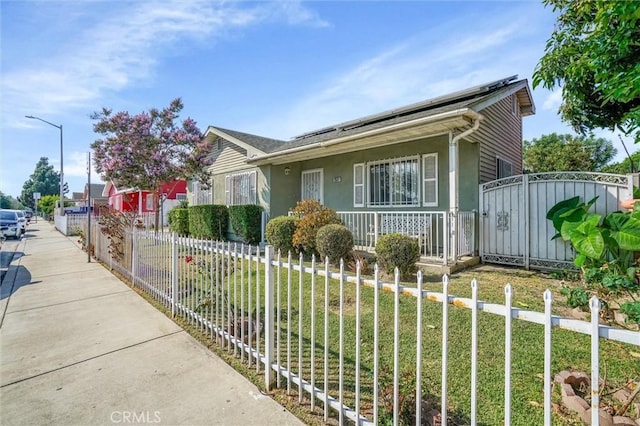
x=513 y=225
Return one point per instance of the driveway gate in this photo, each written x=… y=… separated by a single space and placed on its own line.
x=513 y=225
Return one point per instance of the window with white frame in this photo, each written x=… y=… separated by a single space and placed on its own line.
x=312 y=186
x=200 y=195
x=358 y=185
x=240 y=188
x=181 y=197
x=430 y=180
x=503 y=168
x=394 y=182
x=149 y=204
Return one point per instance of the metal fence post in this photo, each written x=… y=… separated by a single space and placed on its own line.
x=594 y=304
x=134 y=257
x=268 y=316
x=174 y=274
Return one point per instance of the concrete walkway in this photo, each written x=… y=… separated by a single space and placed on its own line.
x=79 y=347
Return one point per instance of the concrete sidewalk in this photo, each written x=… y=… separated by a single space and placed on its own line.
x=79 y=347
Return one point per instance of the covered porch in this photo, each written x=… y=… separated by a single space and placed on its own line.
x=434 y=231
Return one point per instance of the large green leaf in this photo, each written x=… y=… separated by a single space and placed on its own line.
x=616 y=220
x=628 y=237
x=588 y=240
x=571 y=203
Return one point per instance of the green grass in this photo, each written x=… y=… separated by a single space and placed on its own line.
x=570 y=350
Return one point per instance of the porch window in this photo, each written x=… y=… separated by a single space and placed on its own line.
x=430 y=180
x=312 y=185
x=394 y=182
x=358 y=185
x=503 y=168
x=240 y=188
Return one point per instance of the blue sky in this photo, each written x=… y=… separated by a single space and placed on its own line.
x=274 y=68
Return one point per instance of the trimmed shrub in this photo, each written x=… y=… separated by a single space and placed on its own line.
x=335 y=242
x=245 y=222
x=179 y=221
x=208 y=221
x=313 y=216
x=397 y=251
x=279 y=233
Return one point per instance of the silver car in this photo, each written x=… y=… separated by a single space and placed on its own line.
x=22 y=219
x=10 y=224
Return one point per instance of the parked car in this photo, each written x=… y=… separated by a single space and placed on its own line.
x=22 y=219
x=10 y=224
x=28 y=214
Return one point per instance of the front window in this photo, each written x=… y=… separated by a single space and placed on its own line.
x=393 y=182
x=240 y=188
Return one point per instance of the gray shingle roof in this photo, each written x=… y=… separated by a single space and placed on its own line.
x=262 y=143
x=468 y=98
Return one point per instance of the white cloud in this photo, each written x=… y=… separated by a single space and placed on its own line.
x=124 y=48
x=429 y=65
x=553 y=100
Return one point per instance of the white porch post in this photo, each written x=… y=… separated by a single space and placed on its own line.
x=139 y=202
x=454 y=199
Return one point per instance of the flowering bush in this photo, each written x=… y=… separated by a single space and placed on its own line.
x=312 y=216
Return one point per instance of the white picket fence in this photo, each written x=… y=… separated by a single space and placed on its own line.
x=281 y=315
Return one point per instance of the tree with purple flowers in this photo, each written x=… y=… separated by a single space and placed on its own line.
x=150 y=149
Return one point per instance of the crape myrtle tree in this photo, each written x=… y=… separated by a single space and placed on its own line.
x=149 y=149
x=593 y=54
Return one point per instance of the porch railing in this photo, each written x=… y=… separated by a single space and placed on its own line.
x=431 y=229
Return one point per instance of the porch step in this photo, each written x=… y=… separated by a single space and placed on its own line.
x=435 y=265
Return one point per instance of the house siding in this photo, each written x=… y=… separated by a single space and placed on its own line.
x=338 y=175
x=499 y=135
x=230 y=158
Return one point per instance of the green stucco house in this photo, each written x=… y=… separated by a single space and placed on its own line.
x=413 y=169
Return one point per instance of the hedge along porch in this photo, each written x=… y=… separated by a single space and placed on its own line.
x=413 y=170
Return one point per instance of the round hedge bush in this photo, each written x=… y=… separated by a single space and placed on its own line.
x=397 y=251
x=334 y=242
x=279 y=233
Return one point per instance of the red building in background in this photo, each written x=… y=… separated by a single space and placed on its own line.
x=144 y=201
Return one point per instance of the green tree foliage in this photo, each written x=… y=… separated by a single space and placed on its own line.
x=624 y=166
x=553 y=152
x=594 y=55
x=44 y=180
x=47 y=204
x=8 y=202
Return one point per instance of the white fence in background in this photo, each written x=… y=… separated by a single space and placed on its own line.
x=70 y=223
x=302 y=324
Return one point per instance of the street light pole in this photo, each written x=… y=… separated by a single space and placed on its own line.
x=61 y=161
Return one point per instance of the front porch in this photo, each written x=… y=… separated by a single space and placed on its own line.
x=445 y=239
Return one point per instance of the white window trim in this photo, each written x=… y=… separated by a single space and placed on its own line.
x=392 y=160
x=424 y=179
x=359 y=186
x=228 y=193
x=310 y=171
